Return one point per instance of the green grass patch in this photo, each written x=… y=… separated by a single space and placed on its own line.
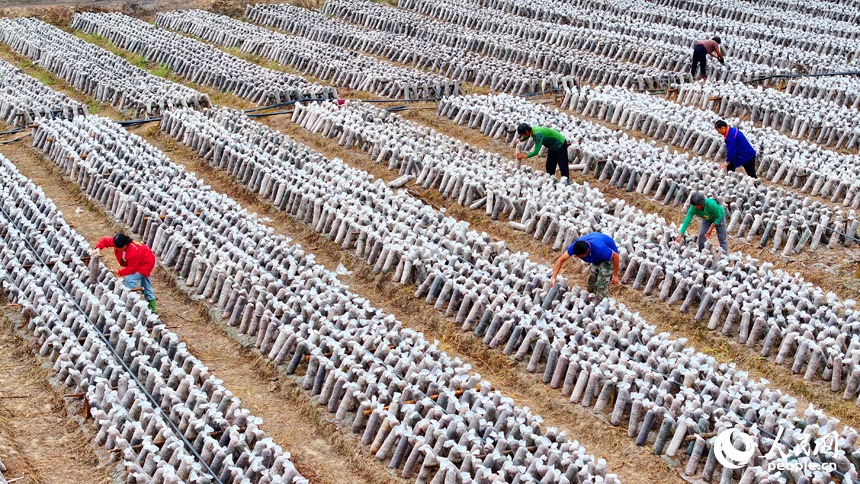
x=46 y=78
x=161 y=70
x=137 y=60
x=100 y=41
x=94 y=106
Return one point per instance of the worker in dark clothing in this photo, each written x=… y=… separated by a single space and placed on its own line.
x=712 y=214
x=739 y=151
x=555 y=144
x=600 y=251
x=700 y=56
x=137 y=261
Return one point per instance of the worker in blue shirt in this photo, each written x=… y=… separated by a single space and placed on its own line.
x=600 y=251
x=739 y=152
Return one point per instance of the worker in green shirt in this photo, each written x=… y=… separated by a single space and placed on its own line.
x=555 y=144
x=713 y=215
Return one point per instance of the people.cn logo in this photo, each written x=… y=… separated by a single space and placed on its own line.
x=728 y=455
x=732 y=458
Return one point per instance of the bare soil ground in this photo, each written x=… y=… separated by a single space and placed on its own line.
x=60 y=12
x=506 y=375
x=321 y=451
x=654 y=311
x=40 y=442
x=286 y=411
x=632 y=463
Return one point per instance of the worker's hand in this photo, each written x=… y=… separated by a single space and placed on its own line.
x=114 y=272
x=709 y=231
x=552 y=282
x=724 y=166
x=615 y=280
x=678 y=240
x=722 y=61
x=97 y=252
x=521 y=156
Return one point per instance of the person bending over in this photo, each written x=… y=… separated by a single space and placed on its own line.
x=705 y=48
x=555 y=144
x=600 y=251
x=137 y=261
x=739 y=151
x=712 y=214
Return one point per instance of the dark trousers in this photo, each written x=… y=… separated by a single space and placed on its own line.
x=700 y=57
x=749 y=166
x=558 y=157
x=721 y=234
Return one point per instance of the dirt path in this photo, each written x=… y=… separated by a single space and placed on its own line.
x=320 y=451
x=40 y=443
x=509 y=377
x=654 y=311
x=630 y=462
x=60 y=12
x=832 y=270
x=400 y=302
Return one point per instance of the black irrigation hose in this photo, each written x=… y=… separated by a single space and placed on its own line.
x=136 y=122
x=116 y=355
x=16 y=130
x=16 y=139
x=249 y=112
x=288 y=103
x=786 y=76
x=843 y=234
x=538 y=93
x=427 y=100
x=396 y=108
x=261 y=115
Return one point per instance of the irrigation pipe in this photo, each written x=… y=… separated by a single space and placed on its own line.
x=116 y=355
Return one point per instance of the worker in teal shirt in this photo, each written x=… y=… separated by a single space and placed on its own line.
x=555 y=144
x=600 y=251
x=712 y=214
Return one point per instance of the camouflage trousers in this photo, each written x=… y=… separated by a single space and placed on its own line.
x=599 y=277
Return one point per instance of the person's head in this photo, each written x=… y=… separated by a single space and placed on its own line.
x=722 y=127
x=580 y=248
x=717 y=39
x=121 y=241
x=698 y=201
x=524 y=130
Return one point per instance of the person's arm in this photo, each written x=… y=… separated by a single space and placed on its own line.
x=538 y=143
x=686 y=223
x=101 y=244
x=615 y=261
x=717 y=53
x=557 y=267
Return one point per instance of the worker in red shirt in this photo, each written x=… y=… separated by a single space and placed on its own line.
x=700 y=55
x=137 y=261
